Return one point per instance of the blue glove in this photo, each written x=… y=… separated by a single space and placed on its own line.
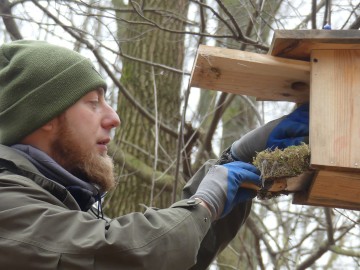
x=289 y=130
x=220 y=188
x=292 y=130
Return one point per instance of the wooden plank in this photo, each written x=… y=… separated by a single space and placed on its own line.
x=335 y=109
x=290 y=184
x=332 y=189
x=244 y=73
x=298 y=44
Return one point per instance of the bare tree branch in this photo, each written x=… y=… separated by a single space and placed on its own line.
x=313 y=14
x=310 y=16
x=8 y=19
x=239 y=34
x=143 y=171
x=253 y=227
x=327 y=13
x=341 y=251
x=321 y=250
x=217 y=15
x=180 y=144
x=329 y=225
x=356 y=23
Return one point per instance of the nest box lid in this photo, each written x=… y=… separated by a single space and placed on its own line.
x=298 y=44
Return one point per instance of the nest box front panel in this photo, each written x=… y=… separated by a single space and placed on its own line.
x=335 y=109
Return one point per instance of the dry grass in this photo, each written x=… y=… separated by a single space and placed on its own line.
x=290 y=162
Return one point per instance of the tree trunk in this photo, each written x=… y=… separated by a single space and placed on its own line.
x=137 y=135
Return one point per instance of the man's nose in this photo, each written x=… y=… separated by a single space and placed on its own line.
x=111 y=119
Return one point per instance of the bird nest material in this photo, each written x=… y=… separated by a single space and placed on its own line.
x=279 y=164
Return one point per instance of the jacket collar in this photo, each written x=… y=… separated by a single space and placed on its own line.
x=35 y=164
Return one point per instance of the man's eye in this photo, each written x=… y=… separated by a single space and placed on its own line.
x=94 y=103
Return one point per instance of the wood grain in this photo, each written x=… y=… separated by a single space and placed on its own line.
x=335 y=109
x=332 y=189
x=298 y=44
x=244 y=73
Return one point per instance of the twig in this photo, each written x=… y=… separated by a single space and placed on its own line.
x=356 y=23
x=156 y=138
x=240 y=34
x=330 y=229
x=253 y=227
x=313 y=14
x=345 y=252
x=8 y=19
x=180 y=144
x=217 y=15
x=215 y=121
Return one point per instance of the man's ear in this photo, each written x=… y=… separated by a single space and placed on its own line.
x=51 y=125
x=48 y=126
x=43 y=136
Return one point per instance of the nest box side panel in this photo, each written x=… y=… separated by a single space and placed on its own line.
x=335 y=109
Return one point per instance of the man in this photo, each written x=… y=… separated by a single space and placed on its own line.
x=54 y=129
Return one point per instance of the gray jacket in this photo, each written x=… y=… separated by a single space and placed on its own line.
x=42 y=227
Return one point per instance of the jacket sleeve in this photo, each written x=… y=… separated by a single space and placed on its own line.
x=37 y=230
x=221 y=231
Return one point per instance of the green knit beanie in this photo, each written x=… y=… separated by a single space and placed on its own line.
x=39 y=81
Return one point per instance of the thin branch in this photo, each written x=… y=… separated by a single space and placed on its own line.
x=345 y=252
x=347 y=217
x=139 y=60
x=313 y=14
x=156 y=139
x=220 y=107
x=330 y=229
x=8 y=19
x=174 y=31
x=237 y=37
x=202 y=21
x=302 y=240
x=309 y=16
x=259 y=256
x=253 y=227
x=180 y=144
x=217 y=15
x=144 y=172
x=226 y=266
x=253 y=108
x=356 y=23
x=144 y=152
x=322 y=249
x=165 y=67
x=327 y=13
x=161 y=12
x=240 y=34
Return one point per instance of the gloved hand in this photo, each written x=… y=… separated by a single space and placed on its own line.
x=292 y=129
x=220 y=190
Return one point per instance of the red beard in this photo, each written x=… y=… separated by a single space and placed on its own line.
x=84 y=164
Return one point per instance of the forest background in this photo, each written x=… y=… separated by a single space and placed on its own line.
x=145 y=49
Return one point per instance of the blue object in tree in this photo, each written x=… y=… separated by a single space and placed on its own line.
x=292 y=130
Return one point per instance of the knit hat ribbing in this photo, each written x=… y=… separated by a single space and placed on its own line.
x=39 y=81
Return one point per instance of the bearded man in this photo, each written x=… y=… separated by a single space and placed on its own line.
x=55 y=125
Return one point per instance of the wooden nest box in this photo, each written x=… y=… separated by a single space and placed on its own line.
x=317 y=66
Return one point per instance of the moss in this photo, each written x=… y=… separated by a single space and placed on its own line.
x=290 y=162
